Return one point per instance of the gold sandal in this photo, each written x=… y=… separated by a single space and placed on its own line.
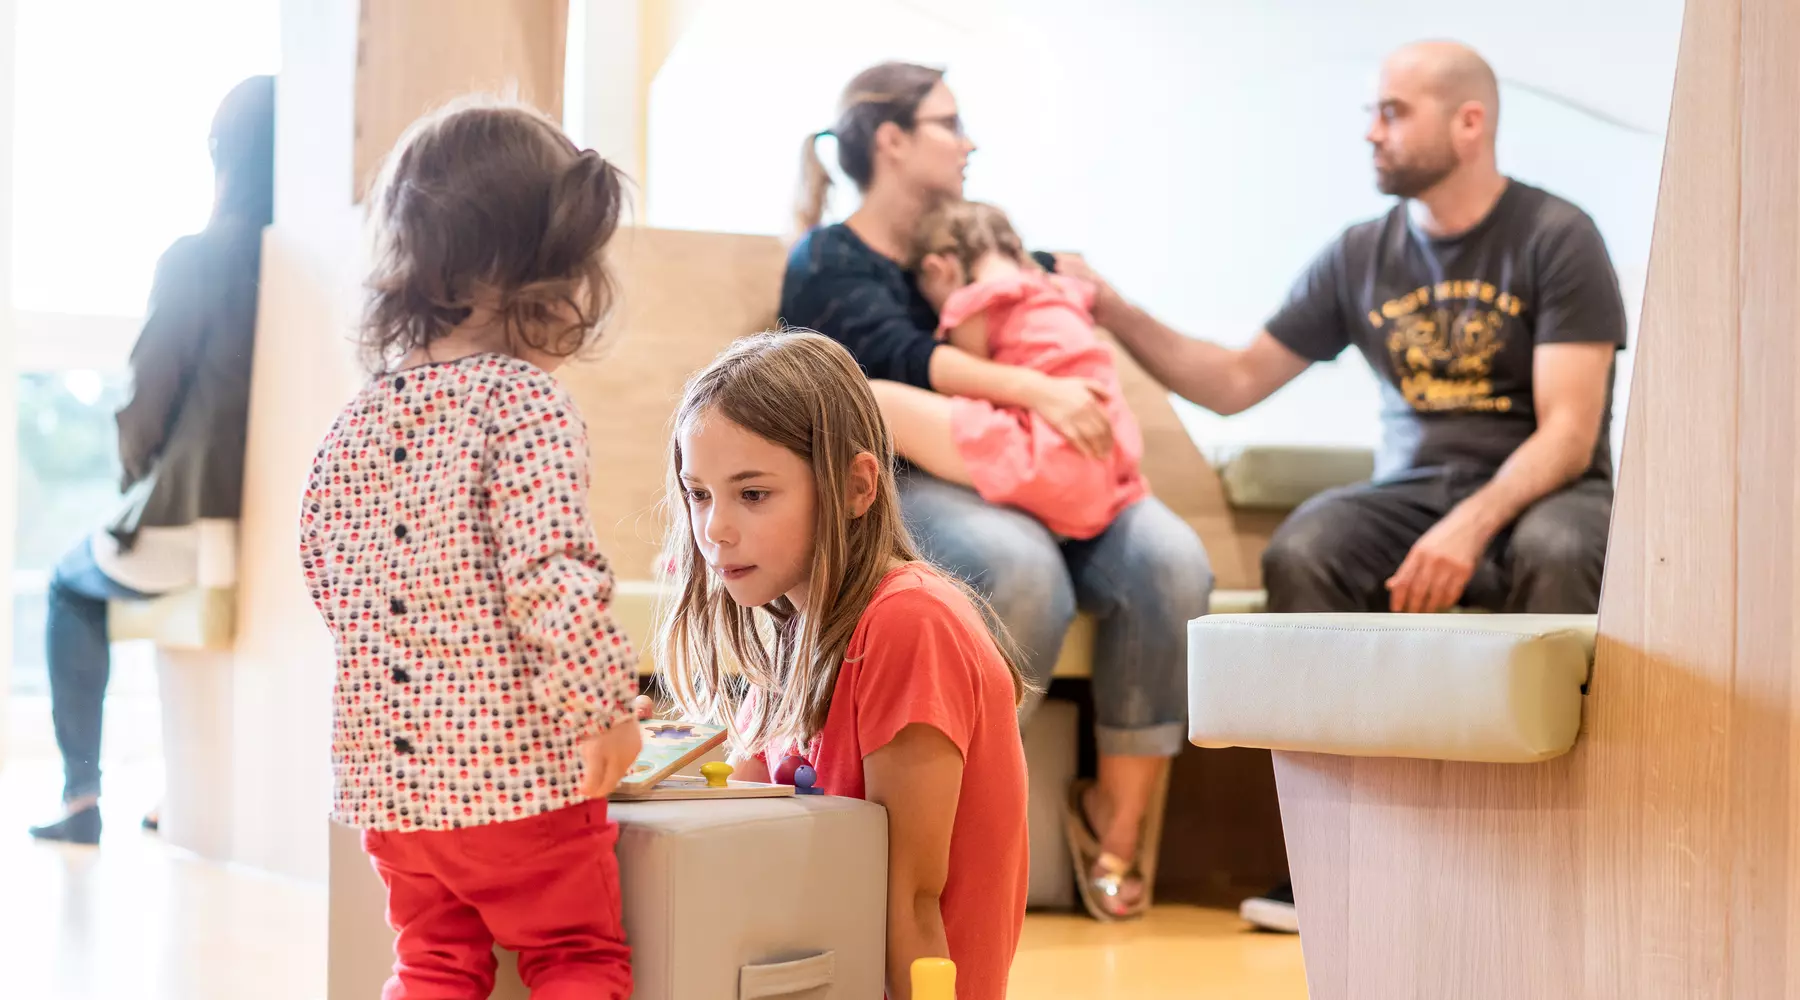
x=1102 y=894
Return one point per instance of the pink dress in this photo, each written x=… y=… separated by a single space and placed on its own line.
x=1044 y=322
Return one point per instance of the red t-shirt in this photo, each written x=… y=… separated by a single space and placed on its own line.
x=922 y=654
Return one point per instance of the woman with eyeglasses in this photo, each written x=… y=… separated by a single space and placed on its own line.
x=900 y=139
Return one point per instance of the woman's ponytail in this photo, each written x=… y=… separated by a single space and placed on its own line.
x=890 y=92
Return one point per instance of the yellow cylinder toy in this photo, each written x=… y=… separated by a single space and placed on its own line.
x=933 y=979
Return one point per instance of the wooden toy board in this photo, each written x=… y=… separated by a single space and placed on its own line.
x=689 y=786
x=669 y=746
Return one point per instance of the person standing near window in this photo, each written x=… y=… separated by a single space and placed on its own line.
x=181 y=442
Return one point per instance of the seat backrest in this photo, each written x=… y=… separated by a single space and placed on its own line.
x=684 y=297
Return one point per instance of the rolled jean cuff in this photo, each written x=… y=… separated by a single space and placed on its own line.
x=1164 y=739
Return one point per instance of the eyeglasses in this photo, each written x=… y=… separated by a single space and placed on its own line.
x=952 y=122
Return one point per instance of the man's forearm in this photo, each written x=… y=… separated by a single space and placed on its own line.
x=1203 y=373
x=1547 y=461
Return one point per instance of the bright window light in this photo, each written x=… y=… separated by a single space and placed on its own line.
x=113 y=102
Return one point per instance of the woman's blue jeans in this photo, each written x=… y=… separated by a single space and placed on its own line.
x=80 y=657
x=1143 y=579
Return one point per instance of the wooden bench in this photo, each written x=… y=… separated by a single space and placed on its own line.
x=194 y=631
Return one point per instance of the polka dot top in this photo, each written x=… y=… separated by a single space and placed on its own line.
x=445 y=540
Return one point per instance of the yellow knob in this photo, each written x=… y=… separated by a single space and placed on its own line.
x=934 y=979
x=715 y=773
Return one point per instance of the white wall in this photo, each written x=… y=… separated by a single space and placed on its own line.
x=602 y=108
x=1198 y=154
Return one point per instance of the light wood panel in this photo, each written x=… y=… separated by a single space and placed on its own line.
x=684 y=297
x=1764 y=882
x=1660 y=858
x=413 y=55
x=1434 y=879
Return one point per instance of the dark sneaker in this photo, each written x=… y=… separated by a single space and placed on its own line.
x=1272 y=911
x=76 y=828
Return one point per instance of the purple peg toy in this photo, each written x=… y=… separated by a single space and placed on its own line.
x=804 y=779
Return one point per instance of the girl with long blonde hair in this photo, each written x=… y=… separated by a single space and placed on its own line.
x=808 y=623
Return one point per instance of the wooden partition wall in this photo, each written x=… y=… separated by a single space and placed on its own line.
x=1660 y=858
x=412 y=55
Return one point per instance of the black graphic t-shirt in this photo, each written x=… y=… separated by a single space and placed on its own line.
x=1449 y=324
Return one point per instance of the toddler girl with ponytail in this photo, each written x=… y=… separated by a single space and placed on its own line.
x=484 y=695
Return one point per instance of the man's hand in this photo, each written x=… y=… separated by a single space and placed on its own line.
x=1074 y=265
x=606 y=756
x=1439 y=566
x=1107 y=300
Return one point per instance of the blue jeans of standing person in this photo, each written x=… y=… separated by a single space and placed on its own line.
x=80 y=657
x=1143 y=580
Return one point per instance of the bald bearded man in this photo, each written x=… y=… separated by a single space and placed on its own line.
x=1491 y=313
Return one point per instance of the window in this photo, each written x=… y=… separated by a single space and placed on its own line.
x=68 y=485
x=725 y=127
x=113 y=103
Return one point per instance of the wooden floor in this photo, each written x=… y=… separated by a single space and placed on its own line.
x=1177 y=952
x=136 y=920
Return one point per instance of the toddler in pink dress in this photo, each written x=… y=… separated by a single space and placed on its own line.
x=995 y=302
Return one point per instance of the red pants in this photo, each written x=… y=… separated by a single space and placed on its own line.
x=546 y=888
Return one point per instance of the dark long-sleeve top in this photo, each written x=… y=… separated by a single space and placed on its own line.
x=837 y=285
x=182 y=431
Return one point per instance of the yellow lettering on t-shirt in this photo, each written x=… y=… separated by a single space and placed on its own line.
x=1509 y=304
x=1425 y=391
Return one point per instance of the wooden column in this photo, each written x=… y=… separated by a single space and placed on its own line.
x=1661 y=858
